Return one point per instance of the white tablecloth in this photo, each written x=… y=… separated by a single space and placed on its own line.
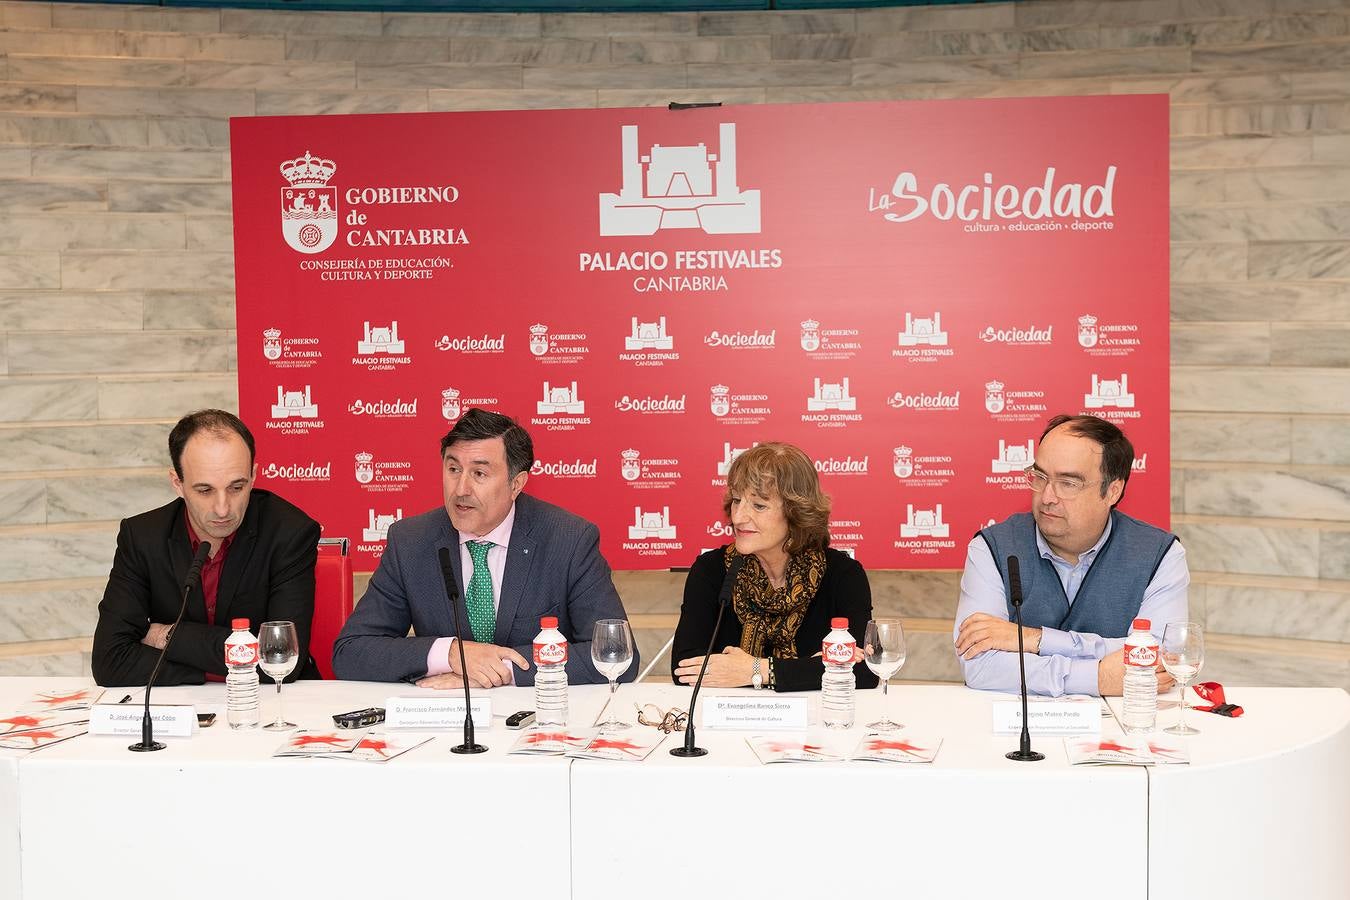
x=1270 y=792
x=1263 y=810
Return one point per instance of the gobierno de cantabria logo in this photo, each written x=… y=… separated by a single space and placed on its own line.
x=309 y=213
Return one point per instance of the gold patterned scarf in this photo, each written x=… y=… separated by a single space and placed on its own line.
x=771 y=616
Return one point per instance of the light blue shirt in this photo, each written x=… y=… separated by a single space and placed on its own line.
x=1067 y=661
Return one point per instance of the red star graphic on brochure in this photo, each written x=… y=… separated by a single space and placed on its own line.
x=36 y=736
x=377 y=745
x=1165 y=752
x=22 y=722
x=1108 y=746
x=330 y=740
x=622 y=746
x=52 y=700
x=880 y=744
x=785 y=747
x=545 y=737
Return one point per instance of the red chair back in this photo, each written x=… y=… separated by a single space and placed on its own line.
x=332 y=600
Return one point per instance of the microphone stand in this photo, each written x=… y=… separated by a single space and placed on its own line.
x=452 y=592
x=147 y=743
x=689 y=750
x=1023 y=753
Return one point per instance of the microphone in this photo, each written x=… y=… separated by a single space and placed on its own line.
x=452 y=593
x=148 y=744
x=1023 y=753
x=722 y=601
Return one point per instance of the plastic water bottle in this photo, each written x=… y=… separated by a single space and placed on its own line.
x=241 y=682
x=836 y=686
x=550 y=676
x=1141 y=678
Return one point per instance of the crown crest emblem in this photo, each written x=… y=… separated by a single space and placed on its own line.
x=538 y=330
x=630 y=455
x=363 y=457
x=450 y=394
x=993 y=386
x=1087 y=320
x=902 y=450
x=720 y=390
x=810 y=325
x=308 y=170
x=272 y=333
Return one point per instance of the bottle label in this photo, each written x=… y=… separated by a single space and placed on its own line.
x=839 y=652
x=1141 y=655
x=550 y=653
x=241 y=654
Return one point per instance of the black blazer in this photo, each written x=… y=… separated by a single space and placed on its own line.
x=269 y=574
x=843 y=591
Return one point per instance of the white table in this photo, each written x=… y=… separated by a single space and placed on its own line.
x=1263 y=809
x=9 y=827
x=963 y=826
x=99 y=821
x=1270 y=790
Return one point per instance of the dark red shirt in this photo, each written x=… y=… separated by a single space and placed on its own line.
x=210 y=577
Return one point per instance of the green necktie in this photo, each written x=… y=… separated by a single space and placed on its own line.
x=482 y=617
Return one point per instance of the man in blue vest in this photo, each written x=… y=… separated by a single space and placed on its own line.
x=1087 y=571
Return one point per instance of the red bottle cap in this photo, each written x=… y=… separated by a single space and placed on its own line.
x=548 y=622
x=840 y=622
x=239 y=624
x=1142 y=625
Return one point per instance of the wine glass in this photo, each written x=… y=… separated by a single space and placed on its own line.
x=612 y=653
x=884 y=653
x=278 y=652
x=1183 y=653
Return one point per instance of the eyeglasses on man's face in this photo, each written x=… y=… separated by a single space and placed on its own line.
x=1066 y=486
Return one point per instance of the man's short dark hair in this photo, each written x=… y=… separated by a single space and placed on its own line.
x=481 y=425
x=1117 y=451
x=216 y=421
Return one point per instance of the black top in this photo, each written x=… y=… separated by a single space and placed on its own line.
x=268 y=575
x=843 y=591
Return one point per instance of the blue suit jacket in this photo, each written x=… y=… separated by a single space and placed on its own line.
x=553 y=568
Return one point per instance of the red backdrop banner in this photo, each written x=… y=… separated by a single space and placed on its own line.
x=905 y=290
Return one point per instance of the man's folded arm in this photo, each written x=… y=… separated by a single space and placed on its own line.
x=1049 y=673
x=119 y=658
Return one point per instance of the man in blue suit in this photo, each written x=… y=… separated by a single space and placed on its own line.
x=515 y=559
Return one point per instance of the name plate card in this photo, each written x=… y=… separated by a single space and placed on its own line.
x=1049 y=715
x=124 y=719
x=756 y=713
x=435 y=712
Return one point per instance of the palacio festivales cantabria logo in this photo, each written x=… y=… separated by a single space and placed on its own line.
x=694 y=187
x=309 y=207
x=679 y=187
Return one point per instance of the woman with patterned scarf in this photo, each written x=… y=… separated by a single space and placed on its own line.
x=790 y=583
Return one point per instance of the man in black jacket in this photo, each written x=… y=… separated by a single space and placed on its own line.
x=260 y=567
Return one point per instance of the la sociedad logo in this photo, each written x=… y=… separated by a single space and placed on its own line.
x=564 y=468
x=396 y=408
x=306 y=471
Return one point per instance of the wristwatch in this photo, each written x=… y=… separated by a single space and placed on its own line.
x=756 y=679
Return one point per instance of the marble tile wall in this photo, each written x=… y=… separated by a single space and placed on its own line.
x=48 y=613
x=116 y=263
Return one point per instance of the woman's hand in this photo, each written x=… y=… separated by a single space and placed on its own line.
x=730 y=668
